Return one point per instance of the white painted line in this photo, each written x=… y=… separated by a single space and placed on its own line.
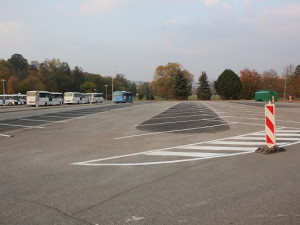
x=263 y=138
x=177 y=113
x=48 y=121
x=279 y=134
x=5 y=135
x=286 y=121
x=238 y=143
x=172 y=122
x=186 y=154
x=174 y=117
x=171 y=131
x=153 y=163
x=14 y=125
x=58 y=116
x=218 y=148
x=287 y=131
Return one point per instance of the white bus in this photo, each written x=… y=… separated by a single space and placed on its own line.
x=84 y=98
x=95 y=97
x=72 y=98
x=9 y=100
x=21 y=98
x=40 y=97
x=56 y=98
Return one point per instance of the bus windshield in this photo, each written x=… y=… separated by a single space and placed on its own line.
x=68 y=94
x=31 y=93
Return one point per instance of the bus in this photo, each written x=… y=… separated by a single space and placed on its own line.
x=72 y=98
x=84 y=98
x=95 y=97
x=122 y=96
x=8 y=99
x=39 y=97
x=56 y=98
x=21 y=98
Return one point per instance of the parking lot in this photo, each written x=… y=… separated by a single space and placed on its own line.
x=155 y=163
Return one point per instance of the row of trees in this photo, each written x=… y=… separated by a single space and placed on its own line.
x=56 y=76
x=171 y=81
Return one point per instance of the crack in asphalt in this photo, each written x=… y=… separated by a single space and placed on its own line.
x=58 y=210
x=138 y=186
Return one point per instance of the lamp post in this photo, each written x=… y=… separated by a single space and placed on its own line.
x=112 y=86
x=105 y=92
x=3 y=91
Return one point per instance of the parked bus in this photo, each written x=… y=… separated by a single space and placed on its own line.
x=8 y=100
x=122 y=96
x=95 y=97
x=56 y=98
x=84 y=98
x=40 y=97
x=71 y=98
x=21 y=98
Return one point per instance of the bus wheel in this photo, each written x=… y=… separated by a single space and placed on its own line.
x=10 y=104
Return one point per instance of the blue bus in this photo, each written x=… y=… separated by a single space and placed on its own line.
x=122 y=96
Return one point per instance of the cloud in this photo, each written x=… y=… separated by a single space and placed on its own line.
x=210 y=2
x=178 y=21
x=88 y=6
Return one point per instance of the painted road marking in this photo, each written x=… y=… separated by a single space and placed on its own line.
x=171 y=122
x=174 y=117
x=161 y=156
x=5 y=135
x=15 y=125
x=249 y=143
x=219 y=148
x=263 y=138
x=172 y=131
x=187 y=154
x=44 y=121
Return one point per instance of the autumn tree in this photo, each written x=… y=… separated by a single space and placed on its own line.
x=271 y=80
x=228 y=85
x=289 y=81
x=250 y=80
x=163 y=83
x=203 y=91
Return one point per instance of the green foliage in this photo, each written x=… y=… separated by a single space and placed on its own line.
x=297 y=71
x=18 y=61
x=145 y=89
x=163 y=84
x=181 y=86
x=228 y=85
x=87 y=87
x=203 y=90
x=54 y=75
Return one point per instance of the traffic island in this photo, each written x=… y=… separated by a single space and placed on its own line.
x=266 y=150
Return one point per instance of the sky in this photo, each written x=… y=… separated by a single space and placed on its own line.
x=133 y=37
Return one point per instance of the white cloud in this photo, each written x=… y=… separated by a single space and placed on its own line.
x=178 y=21
x=88 y=6
x=210 y=2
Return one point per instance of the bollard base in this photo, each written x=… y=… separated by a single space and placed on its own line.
x=266 y=150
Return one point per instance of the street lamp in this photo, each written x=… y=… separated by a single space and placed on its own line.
x=112 y=86
x=106 y=91
x=3 y=90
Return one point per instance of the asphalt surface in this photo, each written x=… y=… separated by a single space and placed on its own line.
x=98 y=168
x=192 y=117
